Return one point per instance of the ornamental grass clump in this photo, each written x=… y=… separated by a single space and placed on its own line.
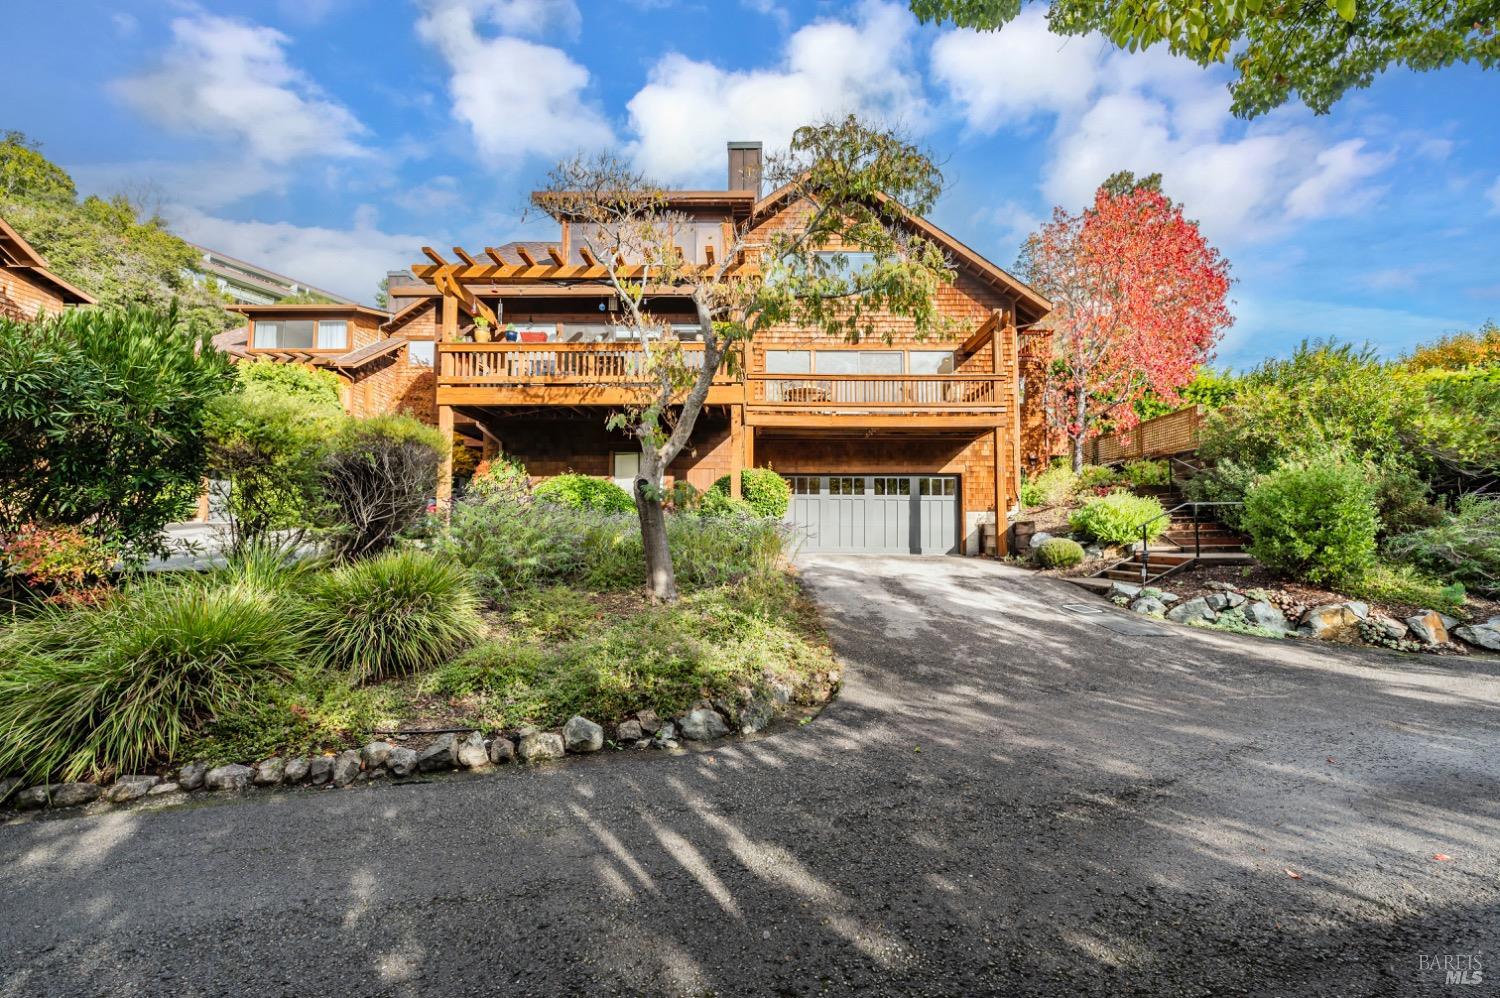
x=1118 y=518
x=393 y=614
x=86 y=693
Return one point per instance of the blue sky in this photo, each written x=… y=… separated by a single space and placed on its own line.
x=331 y=138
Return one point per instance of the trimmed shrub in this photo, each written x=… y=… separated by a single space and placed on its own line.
x=1314 y=519
x=119 y=688
x=377 y=477
x=62 y=558
x=1148 y=474
x=1117 y=518
x=1051 y=487
x=1059 y=552
x=584 y=492
x=766 y=492
x=394 y=614
x=314 y=385
x=716 y=503
x=1464 y=548
x=1095 y=476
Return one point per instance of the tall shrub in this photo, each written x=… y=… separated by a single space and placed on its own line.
x=378 y=476
x=102 y=420
x=766 y=492
x=1118 y=518
x=1315 y=519
x=584 y=492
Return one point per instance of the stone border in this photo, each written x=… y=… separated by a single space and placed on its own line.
x=706 y=721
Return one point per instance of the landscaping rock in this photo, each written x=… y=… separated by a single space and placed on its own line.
x=297 y=770
x=269 y=772
x=1165 y=597
x=1360 y=610
x=1125 y=589
x=703 y=725
x=1217 y=586
x=320 y=770
x=472 y=752
x=1092 y=551
x=1217 y=601
x=1428 y=627
x=630 y=731
x=781 y=693
x=230 y=777
x=1262 y=614
x=538 y=746
x=441 y=754
x=375 y=754
x=190 y=777
x=131 y=787
x=162 y=789
x=648 y=721
x=1389 y=628
x=501 y=749
x=402 y=761
x=31 y=799
x=1150 y=606
x=1330 y=622
x=8 y=787
x=345 y=767
x=1196 y=609
x=1038 y=539
x=582 y=735
x=1485 y=635
x=1235 y=600
x=756 y=715
x=666 y=736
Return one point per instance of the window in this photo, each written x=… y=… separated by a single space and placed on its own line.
x=788 y=361
x=420 y=353
x=845 y=265
x=929 y=362
x=892 y=486
x=805 y=485
x=333 y=334
x=284 y=334
x=846 y=486
x=687 y=333
x=939 y=486
x=859 y=361
x=626 y=465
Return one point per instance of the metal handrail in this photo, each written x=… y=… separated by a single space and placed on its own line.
x=1197 y=533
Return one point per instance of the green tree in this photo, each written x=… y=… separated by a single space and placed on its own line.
x=26 y=174
x=101 y=420
x=1317 y=50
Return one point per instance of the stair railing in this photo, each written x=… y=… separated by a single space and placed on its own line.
x=1145 y=527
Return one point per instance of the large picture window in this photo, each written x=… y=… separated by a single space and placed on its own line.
x=301 y=334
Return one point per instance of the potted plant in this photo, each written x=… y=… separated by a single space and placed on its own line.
x=481 y=329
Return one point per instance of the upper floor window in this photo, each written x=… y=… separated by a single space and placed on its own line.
x=929 y=362
x=858 y=361
x=844 y=265
x=301 y=334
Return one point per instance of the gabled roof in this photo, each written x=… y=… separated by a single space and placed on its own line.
x=408 y=312
x=965 y=256
x=17 y=254
x=308 y=311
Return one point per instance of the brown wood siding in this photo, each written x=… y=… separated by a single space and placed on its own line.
x=22 y=298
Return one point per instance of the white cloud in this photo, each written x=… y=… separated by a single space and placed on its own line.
x=1150 y=112
x=346 y=261
x=229 y=79
x=518 y=97
x=1493 y=196
x=688 y=108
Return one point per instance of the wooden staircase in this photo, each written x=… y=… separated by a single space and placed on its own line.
x=1183 y=543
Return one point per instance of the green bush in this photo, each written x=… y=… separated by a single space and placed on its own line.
x=584 y=492
x=101 y=421
x=1148 y=474
x=1095 y=476
x=500 y=479
x=1059 y=552
x=767 y=493
x=377 y=478
x=314 y=385
x=1117 y=518
x=120 y=688
x=716 y=503
x=393 y=614
x=1051 y=487
x=1314 y=519
x=1464 y=548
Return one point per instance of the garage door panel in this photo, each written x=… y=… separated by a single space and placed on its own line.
x=916 y=514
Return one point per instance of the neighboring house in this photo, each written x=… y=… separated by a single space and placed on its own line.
x=899 y=446
x=27 y=287
x=249 y=284
x=379 y=370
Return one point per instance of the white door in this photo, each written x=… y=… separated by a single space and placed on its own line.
x=627 y=465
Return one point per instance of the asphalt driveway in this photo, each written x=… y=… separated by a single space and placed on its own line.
x=1008 y=797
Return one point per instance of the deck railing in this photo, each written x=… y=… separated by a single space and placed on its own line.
x=927 y=391
x=552 y=363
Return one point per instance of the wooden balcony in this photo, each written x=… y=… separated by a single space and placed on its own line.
x=612 y=373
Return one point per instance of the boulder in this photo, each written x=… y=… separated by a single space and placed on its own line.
x=1385 y=627
x=1428 y=627
x=472 y=752
x=1485 y=635
x=648 y=720
x=666 y=736
x=1217 y=601
x=538 y=746
x=1330 y=622
x=1360 y=610
x=74 y=794
x=1150 y=606
x=1123 y=589
x=1194 y=610
x=375 y=754
x=501 y=749
x=1165 y=597
x=131 y=787
x=629 y=731
x=703 y=725
x=296 y=770
x=269 y=772
x=320 y=770
x=1266 y=616
x=1220 y=587
x=8 y=787
x=756 y=715
x=582 y=735
x=162 y=789
x=1235 y=600
x=230 y=777
x=1038 y=539
x=402 y=761
x=31 y=799
x=441 y=754
x=345 y=767
x=190 y=777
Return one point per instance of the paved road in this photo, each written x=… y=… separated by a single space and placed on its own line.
x=1007 y=798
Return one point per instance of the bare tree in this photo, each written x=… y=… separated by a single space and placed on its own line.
x=845 y=186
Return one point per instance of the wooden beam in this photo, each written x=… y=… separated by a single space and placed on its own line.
x=463 y=255
x=1002 y=548
x=494 y=254
x=525 y=255
x=444 y=491
x=708 y=253
x=736 y=449
x=985 y=332
x=903 y=421
x=450 y=319
x=587 y=257
x=434 y=256
x=557 y=258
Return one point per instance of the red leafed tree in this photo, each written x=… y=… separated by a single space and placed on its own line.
x=1140 y=299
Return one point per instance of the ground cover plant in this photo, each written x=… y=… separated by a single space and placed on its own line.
x=1119 y=518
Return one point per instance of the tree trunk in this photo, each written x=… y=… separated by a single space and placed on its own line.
x=661 y=577
x=1080 y=416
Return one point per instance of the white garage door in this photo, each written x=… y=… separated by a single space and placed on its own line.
x=890 y=514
